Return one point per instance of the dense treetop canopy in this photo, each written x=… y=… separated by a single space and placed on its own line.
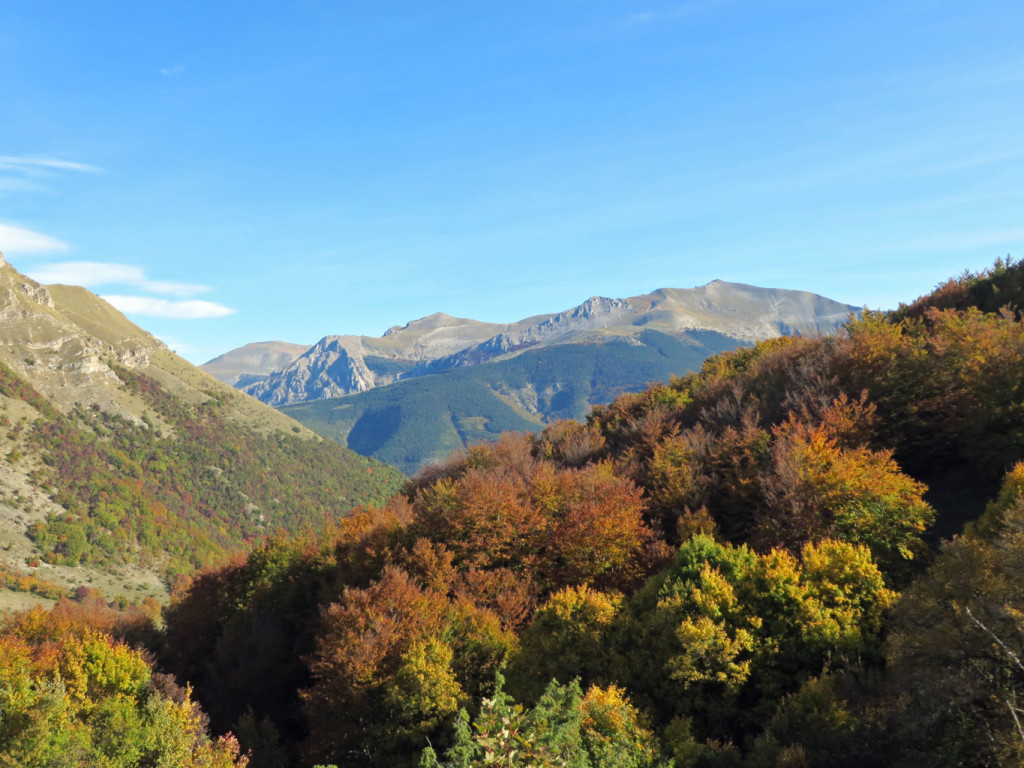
x=739 y=568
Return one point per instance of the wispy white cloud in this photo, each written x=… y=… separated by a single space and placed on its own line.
x=192 y=309
x=177 y=69
x=15 y=240
x=23 y=163
x=24 y=242
x=92 y=274
x=21 y=173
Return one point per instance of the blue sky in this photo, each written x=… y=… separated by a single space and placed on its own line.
x=232 y=172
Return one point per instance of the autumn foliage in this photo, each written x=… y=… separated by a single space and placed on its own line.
x=737 y=568
x=70 y=694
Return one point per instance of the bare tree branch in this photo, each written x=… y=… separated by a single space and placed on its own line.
x=1016 y=720
x=994 y=636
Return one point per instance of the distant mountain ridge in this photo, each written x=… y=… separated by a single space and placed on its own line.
x=342 y=365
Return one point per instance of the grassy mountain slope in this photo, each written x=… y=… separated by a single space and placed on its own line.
x=422 y=420
x=410 y=423
x=122 y=464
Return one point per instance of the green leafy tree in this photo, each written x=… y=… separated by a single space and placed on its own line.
x=723 y=633
x=79 y=698
x=568 y=639
x=564 y=730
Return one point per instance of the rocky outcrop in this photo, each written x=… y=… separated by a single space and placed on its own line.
x=37 y=293
x=325 y=370
x=596 y=312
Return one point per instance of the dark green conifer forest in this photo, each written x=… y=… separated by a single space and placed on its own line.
x=809 y=553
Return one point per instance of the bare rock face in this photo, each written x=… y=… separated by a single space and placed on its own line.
x=340 y=365
x=38 y=342
x=37 y=293
x=326 y=370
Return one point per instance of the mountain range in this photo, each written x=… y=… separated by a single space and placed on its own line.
x=440 y=383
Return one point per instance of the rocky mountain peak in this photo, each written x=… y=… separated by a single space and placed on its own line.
x=596 y=306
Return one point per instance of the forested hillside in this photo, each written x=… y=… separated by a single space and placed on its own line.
x=123 y=466
x=189 y=497
x=739 y=568
x=422 y=420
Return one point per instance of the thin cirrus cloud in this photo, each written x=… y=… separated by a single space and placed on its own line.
x=28 y=164
x=191 y=309
x=92 y=274
x=24 y=242
x=26 y=173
